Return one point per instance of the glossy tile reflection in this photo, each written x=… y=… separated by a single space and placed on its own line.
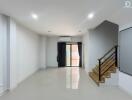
x=72 y=77
x=63 y=84
x=1 y=89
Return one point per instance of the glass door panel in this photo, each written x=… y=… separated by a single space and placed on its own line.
x=68 y=55
x=75 y=55
x=72 y=55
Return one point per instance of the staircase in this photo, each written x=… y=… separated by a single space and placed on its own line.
x=106 y=66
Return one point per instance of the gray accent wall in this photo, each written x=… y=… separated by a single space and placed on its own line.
x=98 y=42
x=125 y=43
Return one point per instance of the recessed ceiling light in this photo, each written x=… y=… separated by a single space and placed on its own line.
x=34 y=16
x=90 y=16
x=49 y=31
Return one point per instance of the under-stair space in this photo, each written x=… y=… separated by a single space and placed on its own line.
x=107 y=65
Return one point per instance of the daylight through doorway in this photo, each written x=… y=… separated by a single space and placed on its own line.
x=72 y=55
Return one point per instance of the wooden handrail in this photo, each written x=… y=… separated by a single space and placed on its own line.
x=108 y=58
x=115 y=52
x=108 y=52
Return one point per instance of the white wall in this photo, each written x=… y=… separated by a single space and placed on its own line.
x=97 y=42
x=27 y=52
x=3 y=50
x=52 y=50
x=12 y=53
x=125 y=82
x=8 y=52
x=43 y=51
x=85 y=42
x=77 y=39
x=20 y=52
x=70 y=39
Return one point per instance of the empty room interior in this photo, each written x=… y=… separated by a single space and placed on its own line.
x=65 y=49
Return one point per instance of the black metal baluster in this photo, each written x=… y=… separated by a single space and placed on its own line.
x=116 y=56
x=99 y=69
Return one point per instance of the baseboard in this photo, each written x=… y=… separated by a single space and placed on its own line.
x=125 y=82
x=28 y=75
x=51 y=67
x=123 y=89
x=42 y=68
x=20 y=81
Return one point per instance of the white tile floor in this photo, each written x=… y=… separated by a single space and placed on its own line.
x=1 y=89
x=63 y=84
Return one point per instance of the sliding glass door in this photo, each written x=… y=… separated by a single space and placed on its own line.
x=69 y=54
x=72 y=55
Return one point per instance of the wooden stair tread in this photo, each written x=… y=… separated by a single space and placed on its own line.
x=107 y=74
x=96 y=69
x=106 y=71
x=96 y=78
x=108 y=60
x=107 y=66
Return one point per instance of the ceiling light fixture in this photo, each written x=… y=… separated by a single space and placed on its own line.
x=49 y=31
x=90 y=16
x=79 y=31
x=34 y=16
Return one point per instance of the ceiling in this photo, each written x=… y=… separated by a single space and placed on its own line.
x=66 y=17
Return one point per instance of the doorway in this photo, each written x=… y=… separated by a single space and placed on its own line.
x=72 y=55
x=69 y=54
